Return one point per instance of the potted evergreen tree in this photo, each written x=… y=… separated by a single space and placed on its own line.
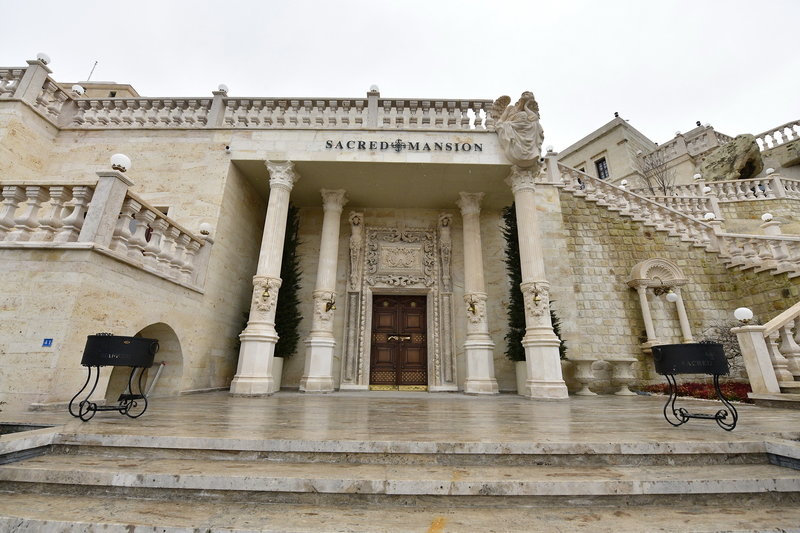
x=287 y=308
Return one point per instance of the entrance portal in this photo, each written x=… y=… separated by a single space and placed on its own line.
x=399 y=356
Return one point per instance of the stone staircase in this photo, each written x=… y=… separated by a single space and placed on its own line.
x=775 y=254
x=107 y=482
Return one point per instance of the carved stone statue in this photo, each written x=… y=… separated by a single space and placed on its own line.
x=518 y=129
x=445 y=247
x=356 y=244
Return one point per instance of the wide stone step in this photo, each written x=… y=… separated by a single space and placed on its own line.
x=396 y=480
x=647 y=457
x=35 y=513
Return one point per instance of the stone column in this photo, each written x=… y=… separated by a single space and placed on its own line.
x=318 y=373
x=254 y=372
x=478 y=347
x=648 y=318
x=686 y=329
x=540 y=342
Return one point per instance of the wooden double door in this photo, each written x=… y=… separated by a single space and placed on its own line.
x=399 y=356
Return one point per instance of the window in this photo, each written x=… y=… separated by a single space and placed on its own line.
x=112 y=94
x=602 y=168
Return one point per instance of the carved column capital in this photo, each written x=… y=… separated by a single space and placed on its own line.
x=470 y=203
x=521 y=179
x=333 y=199
x=281 y=174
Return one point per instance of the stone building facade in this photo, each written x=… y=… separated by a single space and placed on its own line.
x=401 y=249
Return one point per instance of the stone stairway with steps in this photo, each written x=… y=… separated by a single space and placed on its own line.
x=774 y=254
x=96 y=482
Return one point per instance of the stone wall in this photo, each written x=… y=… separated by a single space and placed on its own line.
x=602 y=248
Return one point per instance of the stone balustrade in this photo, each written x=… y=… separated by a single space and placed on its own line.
x=295 y=113
x=9 y=81
x=627 y=203
x=221 y=111
x=777 y=253
x=141 y=112
x=43 y=213
x=694 y=145
x=53 y=215
x=693 y=206
x=771 y=352
x=766 y=188
x=781 y=135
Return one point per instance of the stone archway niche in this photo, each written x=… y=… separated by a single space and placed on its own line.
x=662 y=277
x=169 y=353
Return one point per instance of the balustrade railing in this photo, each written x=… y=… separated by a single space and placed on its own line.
x=222 y=111
x=772 y=352
x=9 y=80
x=638 y=207
x=766 y=188
x=43 y=213
x=433 y=114
x=142 y=112
x=53 y=215
x=693 y=206
x=320 y=113
x=777 y=253
x=144 y=234
x=781 y=135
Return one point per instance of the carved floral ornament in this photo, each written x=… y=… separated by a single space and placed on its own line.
x=265 y=292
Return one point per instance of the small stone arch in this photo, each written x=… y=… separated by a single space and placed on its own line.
x=170 y=354
x=657 y=272
x=662 y=276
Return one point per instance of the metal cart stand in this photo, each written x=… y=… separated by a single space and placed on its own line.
x=105 y=349
x=694 y=358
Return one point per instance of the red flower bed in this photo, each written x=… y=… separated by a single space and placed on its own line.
x=731 y=390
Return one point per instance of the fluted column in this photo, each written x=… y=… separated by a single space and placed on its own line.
x=540 y=342
x=254 y=372
x=478 y=347
x=318 y=373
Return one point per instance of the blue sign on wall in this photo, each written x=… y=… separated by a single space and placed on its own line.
x=47 y=342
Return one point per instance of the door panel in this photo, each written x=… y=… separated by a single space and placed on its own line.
x=399 y=357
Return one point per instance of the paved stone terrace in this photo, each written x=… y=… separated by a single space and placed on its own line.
x=421 y=417
x=405 y=423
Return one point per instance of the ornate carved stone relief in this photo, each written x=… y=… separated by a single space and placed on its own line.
x=265 y=293
x=537 y=301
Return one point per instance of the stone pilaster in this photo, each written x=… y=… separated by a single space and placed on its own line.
x=478 y=347
x=254 y=372
x=318 y=373
x=540 y=342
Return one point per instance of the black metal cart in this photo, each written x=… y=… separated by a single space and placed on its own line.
x=694 y=358
x=105 y=349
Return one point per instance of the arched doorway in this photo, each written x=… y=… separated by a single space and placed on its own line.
x=169 y=359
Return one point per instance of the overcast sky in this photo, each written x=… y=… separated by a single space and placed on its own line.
x=662 y=65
